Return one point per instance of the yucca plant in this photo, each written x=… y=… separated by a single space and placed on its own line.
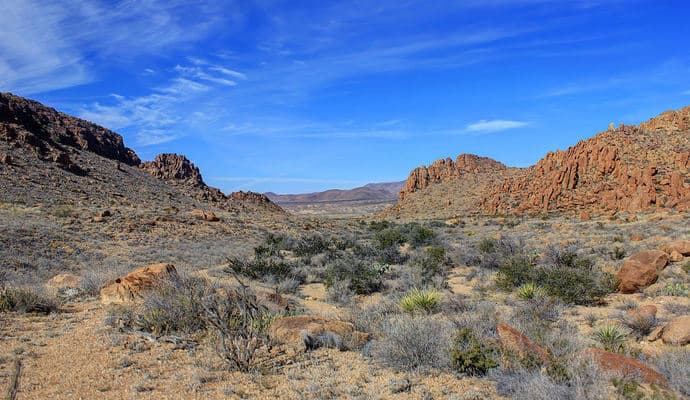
x=531 y=290
x=420 y=300
x=611 y=337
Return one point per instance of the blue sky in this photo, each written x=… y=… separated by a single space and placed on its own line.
x=299 y=96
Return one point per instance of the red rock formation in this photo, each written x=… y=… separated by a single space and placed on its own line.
x=174 y=169
x=626 y=169
x=29 y=123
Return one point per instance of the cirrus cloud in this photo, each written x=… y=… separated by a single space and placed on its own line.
x=494 y=125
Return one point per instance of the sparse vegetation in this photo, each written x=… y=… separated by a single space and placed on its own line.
x=26 y=300
x=425 y=301
x=470 y=356
x=611 y=337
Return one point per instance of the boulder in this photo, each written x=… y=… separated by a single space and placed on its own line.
x=299 y=332
x=64 y=281
x=682 y=247
x=646 y=312
x=675 y=256
x=625 y=367
x=676 y=332
x=515 y=342
x=205 y=215
x=641 y=270
x=131 y=287
x=97 y=218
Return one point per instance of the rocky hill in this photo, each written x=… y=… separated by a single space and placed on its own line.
x=626 y=169
x=48 y=157
x=448 y=187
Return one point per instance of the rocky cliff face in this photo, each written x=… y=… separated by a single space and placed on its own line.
x=174 y=169
x=627 y=169
x=447 y=170
x=49 y=133
x=177 y=170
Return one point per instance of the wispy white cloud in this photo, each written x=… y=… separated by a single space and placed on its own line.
x=686 y=92
x=494 y=125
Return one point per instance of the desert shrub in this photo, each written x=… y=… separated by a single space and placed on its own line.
x=26 y=300
x=364 y=276
x=412 y=233
x=674 y=364
x=531 y=290
x=618 y=253
x=567 y=276
x=686 y=267
x=388 y=237
x=581 y=380
x=391 y=255
x=431 y=263
x=379 y=225
x=487 y=245
x=175 y=307
x=640 y=324
x=611 y=337
x=534 y=317
x=288 y=285
x=371 y=317
x=628 y=389
x=481 y=317
x=263 y=267
x=469 y=355
x=339 y=292
x=241 y=324
x=310 y=246
x=674 y=289
x=409 y=343
x=272 y=245
x=417 y=300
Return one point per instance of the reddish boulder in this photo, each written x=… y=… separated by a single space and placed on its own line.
x=625 y=367
x=515 y=342
x=681 y=246
x=676 y=332
x=641 y=270
x=205 y=215
x=131 y=287
x=294 y=331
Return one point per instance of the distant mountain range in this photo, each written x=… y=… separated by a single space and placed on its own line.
x=372 y=192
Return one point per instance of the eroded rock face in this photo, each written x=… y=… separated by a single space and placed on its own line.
x=627 y=169
x=131 y=288
x=641 y=270
x=625 y=367
x=447 y=169
x=519 y=344
x=174 y=169
x=296 y=331
x=30 y=124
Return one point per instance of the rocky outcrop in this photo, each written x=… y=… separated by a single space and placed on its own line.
x=681 y=247
x=304 y=332
x=177 y=170
x=641 y=270
x=132 y=287
x=49 y=133
x=625 y=367
x=676 y=332
x=204 y=215
x=627 y=169
x=174 y=169
x=446 y=170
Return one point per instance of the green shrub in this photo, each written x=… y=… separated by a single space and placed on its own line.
x=611 y=337
x=412 y=233
x=388 y=237
x=25 y=300
x=515 y=272
x=675 y=289
x=311 y=246
x=618 y=253
x=470 y=356
x=686 y=267
x=365 y=277
x=531 y=290
x=486 y=245
x=420 y=300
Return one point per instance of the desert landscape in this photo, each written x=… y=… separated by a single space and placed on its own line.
x=185 y=213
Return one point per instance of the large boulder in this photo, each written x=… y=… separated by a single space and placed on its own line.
x=131 y=287
x=676 y=332
x=625 y=367
x=306 y=332
x=204 y=215
x=641 y=270
x=681 y=246
x=515 y=342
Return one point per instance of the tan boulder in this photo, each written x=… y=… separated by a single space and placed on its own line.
x=97 y=218
x=625 y=367
x=641 y=270
x=64 y=281
x=646 y=312
x=131 y=287
x=295 y=331
x=205 y=215
x=675 y=332
x=681 y=246
x=514 y=341
x=675 y=256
